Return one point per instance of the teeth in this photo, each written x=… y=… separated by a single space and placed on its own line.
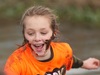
x=38 y=45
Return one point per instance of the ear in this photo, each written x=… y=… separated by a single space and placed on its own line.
x=55 y=33
x=53 y=36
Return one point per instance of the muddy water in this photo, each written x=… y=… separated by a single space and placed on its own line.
x=84 y=42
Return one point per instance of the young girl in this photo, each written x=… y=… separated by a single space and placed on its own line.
x=39 y=55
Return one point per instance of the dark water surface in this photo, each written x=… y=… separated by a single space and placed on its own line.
x=84 y=42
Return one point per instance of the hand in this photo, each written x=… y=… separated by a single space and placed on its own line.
x=91 y=63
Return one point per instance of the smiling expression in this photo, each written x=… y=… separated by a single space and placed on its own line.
x=37 y=31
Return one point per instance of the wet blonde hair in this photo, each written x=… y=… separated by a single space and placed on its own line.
x=40 y=11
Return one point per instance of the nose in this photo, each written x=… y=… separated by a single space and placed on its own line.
x=37 y=38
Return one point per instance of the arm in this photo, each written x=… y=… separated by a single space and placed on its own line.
x=77 y=62
x=90 y=63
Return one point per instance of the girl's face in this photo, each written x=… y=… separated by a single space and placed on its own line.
x=37 y=31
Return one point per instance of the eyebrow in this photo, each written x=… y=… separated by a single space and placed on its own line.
x=33 y=29
x=30 y=29
x=42 y=28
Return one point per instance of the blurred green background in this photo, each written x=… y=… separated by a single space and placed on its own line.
x=79 y=24
x=85 y=13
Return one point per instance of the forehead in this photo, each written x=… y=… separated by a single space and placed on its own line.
x=37 y=22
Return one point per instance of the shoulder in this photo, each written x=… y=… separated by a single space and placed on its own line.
x=16 y=55
x=13 y=61
x=18 y=51
x=65 y=47
x=60 y=44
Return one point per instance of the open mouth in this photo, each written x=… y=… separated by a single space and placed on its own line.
x=38 y=47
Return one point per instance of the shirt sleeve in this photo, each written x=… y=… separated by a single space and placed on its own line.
x=77 y=62
x=12 y=66
x=69 y=57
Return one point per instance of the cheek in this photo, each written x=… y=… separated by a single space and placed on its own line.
x=28 y=37
x=49 y=36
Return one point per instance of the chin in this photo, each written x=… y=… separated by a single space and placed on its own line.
x=40 y=55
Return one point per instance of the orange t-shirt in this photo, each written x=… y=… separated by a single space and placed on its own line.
x=22 y=62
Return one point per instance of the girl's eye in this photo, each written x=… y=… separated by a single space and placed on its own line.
x=30 y=34
x=43 y=33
